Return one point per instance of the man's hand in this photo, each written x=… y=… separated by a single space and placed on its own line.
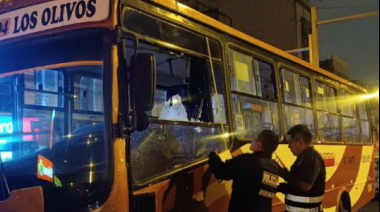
x=214 y=158
x=284 y=173
x=213 y=155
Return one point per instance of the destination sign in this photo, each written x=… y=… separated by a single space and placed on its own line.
x=50 y=15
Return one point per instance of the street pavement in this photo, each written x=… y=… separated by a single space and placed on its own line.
x=372 y=206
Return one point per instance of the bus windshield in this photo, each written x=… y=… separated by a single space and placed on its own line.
x=52 y=126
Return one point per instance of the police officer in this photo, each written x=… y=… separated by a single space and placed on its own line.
x=306 y=180
x=255 y=176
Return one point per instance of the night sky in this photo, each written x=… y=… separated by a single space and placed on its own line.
x=355 y=41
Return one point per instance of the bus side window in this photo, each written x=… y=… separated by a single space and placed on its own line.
x=298 y=100
x=185 y=121
x=40 y=87
x=364 y=117
x=42 y=120
x=254 y=97
x=296 y=89
x=185 y=90
x=88 y=99
x=351 y=123
x=88 y=94
x=348 y=107
x=327 y=110
x=244 y=77
x=306 y=92
x=292 y=88
x=267 y=79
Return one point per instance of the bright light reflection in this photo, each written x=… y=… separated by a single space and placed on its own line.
x=371 y=96
x=90 y=180
x=347 y=101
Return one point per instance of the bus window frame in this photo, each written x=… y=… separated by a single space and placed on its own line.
x=256 y=56
x=159 y=43
x=181 y=24
x=309 y=76
x=334 y=84
x=338 y=114
x=72 y=82
x=65 y=83
x=351 y=92
x=165 y=175
x=369 y=120
x=336 y=98
x=302 y=74
x=186 y=24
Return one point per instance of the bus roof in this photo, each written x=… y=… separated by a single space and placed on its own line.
x=200 y=17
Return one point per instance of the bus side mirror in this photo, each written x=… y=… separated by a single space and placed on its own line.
x=143 y=81
x=143 y=87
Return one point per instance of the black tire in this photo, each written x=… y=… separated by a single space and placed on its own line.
x=342 y=207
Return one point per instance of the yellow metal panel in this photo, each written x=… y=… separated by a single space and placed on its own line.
x=115 y=85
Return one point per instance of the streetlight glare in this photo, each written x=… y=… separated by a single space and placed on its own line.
x=371 y=96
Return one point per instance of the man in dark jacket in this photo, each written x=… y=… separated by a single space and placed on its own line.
x=306 y=181
x=255 y=176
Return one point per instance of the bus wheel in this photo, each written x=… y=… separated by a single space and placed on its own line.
x=345 y=203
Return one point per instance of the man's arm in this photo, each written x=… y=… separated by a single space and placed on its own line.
x=303 y=181
x=221 y=170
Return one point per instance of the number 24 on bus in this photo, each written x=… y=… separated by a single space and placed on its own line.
x=4 y=27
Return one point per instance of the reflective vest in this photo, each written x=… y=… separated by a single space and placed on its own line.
x=311 y=201
x=303 y=204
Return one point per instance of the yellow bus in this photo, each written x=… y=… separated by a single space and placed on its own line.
x=109 y=105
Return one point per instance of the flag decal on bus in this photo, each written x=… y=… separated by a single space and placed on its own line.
x=45 y=169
